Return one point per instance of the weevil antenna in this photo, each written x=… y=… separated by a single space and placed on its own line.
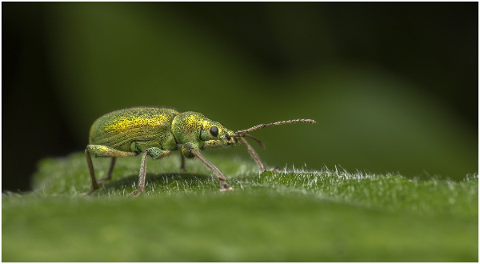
x=252 y=137
x=260 y=126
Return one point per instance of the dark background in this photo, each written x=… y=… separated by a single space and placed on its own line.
x=392 y=85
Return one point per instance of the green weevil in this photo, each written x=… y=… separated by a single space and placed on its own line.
x=156 y=132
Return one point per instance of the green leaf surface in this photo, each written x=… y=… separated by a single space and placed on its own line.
x=295 y=214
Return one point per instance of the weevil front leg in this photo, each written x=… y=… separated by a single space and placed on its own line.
x=155 y=153
x=102 y=151
x=192 y=150
x=254 y=154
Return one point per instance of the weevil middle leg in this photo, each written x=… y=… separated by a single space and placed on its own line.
x=182 y=163
x=155 y=153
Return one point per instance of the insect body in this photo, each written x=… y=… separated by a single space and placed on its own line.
x=156 y=132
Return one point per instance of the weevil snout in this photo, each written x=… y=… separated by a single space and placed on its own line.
x=231 y=138
x=239 y=135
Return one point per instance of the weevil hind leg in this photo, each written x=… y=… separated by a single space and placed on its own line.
x=110 y=170
x=92 y=173
x=102 y=151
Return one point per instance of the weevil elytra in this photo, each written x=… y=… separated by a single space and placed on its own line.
x=156 y=132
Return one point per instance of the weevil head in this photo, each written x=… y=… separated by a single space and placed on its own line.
x=213 y=130
x=195 y=127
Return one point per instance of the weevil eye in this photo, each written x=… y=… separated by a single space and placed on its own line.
x=214 y=131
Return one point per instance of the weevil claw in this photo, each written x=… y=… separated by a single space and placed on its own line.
x=225 y=188
x=89 y=192
x=276 y=169
x=135 y=193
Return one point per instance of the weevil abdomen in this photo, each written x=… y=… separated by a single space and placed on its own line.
x=126 y=129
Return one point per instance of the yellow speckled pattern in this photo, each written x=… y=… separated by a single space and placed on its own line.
x=192 y=121
x=123 y=123
x=194 y=128
x=187 y=125
x=119 y=129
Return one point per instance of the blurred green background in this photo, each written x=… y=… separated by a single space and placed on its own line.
x=392 y=85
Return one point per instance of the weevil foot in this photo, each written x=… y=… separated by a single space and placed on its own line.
x=89 y=192
x=102 y=180
x=225 y=188
x=136 y=193
x=276 y=169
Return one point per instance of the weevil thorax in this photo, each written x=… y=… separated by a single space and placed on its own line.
x=191 y=127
